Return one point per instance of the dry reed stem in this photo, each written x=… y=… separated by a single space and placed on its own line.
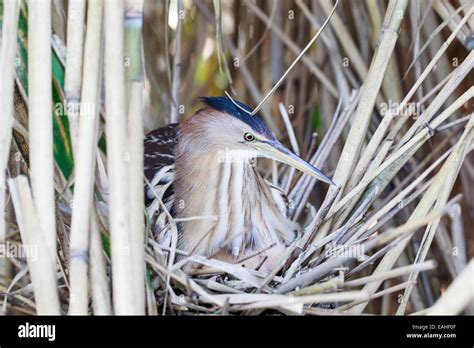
x=450 y=170
x=181 y=278
x=133 y=27
x=243 y=69
x=369 y=92
x=397 y=199
x=376 y=139
x=458 y=296
x=447 y=13
x=368 y=97
x=438 y=188
x=433 y=39
x=336 y=283
x=345 y=39
x=101 y=301
x=293 y=47
x=305 y=185
x=293 y=141
x=8 y=291
x=41 y=264
x=295 y=61
x=73 y=71
x=176 y=80
x=462 y=71
x=465 y=6
x=313 y=274
x=458 y=240
x=7 y=69
x=318 y=298
x=116 y=128
x=40 y=119
x=386 y=168
x=85 y=162
x=137 y=218
x=378 y=294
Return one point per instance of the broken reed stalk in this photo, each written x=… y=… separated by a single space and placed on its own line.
x=85 y=162
x=133 y=28
x=124 y=295
x=7 y=69
x=41 y=264
x=73 y=74
x=40 y=123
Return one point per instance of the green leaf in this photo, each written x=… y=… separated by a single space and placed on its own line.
x=316 y=120
x=106 y=245
x=1 y=13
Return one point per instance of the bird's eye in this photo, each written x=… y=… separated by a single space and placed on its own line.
x=249 y=137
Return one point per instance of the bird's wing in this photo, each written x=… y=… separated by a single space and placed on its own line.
x=159 y=159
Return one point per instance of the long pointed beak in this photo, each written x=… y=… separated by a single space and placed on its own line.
x=276 y=151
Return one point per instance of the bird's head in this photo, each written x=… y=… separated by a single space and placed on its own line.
x=227 y=125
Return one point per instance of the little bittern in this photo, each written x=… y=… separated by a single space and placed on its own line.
x=203 y=170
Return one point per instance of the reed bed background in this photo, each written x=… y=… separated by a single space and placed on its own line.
x=382 y=102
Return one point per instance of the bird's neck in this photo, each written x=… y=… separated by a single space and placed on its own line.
x=227 y=205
